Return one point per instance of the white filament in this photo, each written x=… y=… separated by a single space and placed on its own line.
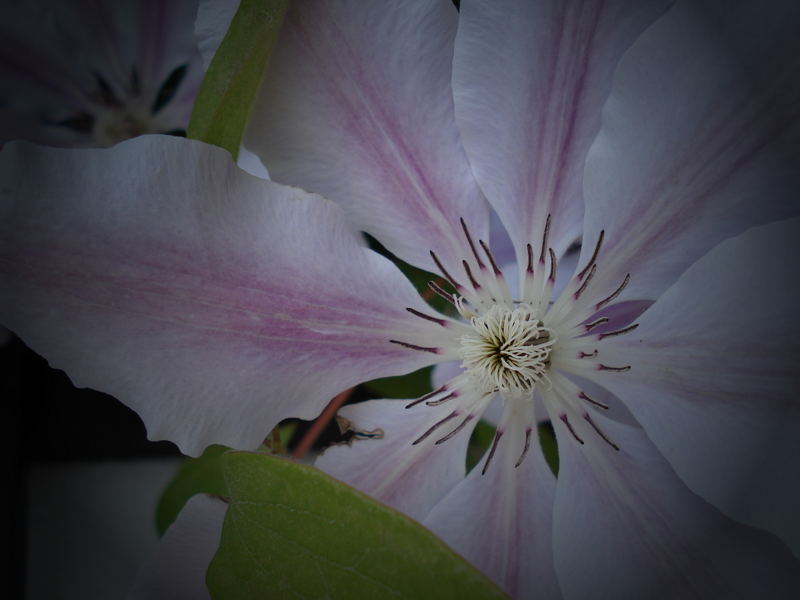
x=507 y=350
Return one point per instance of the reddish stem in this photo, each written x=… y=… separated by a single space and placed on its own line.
x=319 y=424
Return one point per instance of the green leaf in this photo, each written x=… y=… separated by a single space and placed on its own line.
x=292 y=531
x=479 y=443
x=226 y=96
x=196 y=475
x=413 y=385
x=547 y=438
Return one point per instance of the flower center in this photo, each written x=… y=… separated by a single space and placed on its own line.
x=507 y=350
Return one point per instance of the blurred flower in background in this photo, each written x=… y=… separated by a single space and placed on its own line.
x=95 y=72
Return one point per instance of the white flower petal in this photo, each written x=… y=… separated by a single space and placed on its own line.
x=357 y=105
x=501 y=521
x=714 y=379
x=625 y=527
x=213 y=19
x=411 y=478
x=529 y=80
x=213 y=303
x=177 y=569
x=699 y=140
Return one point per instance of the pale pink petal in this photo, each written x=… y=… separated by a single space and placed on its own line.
x=714 y=379
x=177 y=569
x=699 y=140
x=213 y=19
x=625 y=527
x=249 y=162
x=444 y=372
x=501 y=521
x=530 y=79
x=357 y=105
x=410 y=478
x=212 y=302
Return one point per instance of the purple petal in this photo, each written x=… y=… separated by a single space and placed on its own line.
x=625 y=527
x=530 y=79
x=213 y=303
x=177 y=569
x=502 y=521
x=357 y=106
x=411 y=478
x=699 y=140
x=714 y=378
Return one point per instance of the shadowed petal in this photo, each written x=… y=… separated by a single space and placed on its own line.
x=625 y=527
x=714 y=379
x=410 y=478
x=502 y=521
x=357 y=105
x=213 y=19
x=529 y=80
x=177 y=569
x=213 y=303
x=699 y=140
x=94 y=72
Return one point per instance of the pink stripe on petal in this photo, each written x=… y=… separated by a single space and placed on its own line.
x=699 y=140
x=502 y=521
x=357 y=106
x=530 y=79
x=212 y=302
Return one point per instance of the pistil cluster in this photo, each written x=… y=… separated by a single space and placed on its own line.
x=519 y=348
x=508 y=351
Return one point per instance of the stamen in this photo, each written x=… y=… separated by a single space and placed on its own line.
x=583 y=396
x=563 y=417
x=444 y=272
x=602 y=367
x=441 y=292
x=415 y=347
x=434 y=427
x=594 y=324
x=455 y=431
x=553 y=265
x=594 y=254
x=585 y=283
x=449 y=396
x=471 y=245
x=507 y=350
x=614 y=294
x=600 y=433
x=441 y=322
x=592 y=354
x=427 y=396
x=623 y=331
x=490 y=256
x=544 y=239
x=475 y=285
x=530 y=259
x=525 y=449
x=497 y=435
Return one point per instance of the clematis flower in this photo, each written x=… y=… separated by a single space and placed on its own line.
x=216 y=304
x=95 y=72
x=695 y=137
